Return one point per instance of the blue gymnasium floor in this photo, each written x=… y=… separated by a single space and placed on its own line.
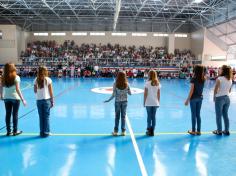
x=81 y=143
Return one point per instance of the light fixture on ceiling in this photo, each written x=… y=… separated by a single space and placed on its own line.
x=165 y=9
x=197 y=1
x=143 y=19
x=183 y=21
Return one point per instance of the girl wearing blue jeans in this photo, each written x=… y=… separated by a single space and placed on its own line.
x=151 y=100
x=10 y=92
x=44 y=95
x=222 y=100
x=195 y=98
x=120 y=92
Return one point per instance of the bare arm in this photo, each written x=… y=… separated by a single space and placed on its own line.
x=50 y=88
x=1 y=91
x=145 y=96
x=35 y=88
x=216 y=88
x=158 y=95
x=112 y=95
x=20 y=94
x=189 y=95
x=129 y=91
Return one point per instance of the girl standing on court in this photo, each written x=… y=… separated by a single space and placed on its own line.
x=152 y=100
x=120 y=92
x=11 y=94
x=195 y=98
x=222 y=100
x=44 y=95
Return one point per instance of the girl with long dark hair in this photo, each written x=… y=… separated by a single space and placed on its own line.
x=195 y=98
x=120 y=92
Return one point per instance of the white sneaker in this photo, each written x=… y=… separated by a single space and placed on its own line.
x=114 y=133
x=123 y=133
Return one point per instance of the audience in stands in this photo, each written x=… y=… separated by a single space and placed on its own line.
x=68 y=53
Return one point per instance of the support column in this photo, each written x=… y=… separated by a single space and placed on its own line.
x=171 y=43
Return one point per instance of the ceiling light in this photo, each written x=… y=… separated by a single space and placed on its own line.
x=165 y=9
x=197 y=1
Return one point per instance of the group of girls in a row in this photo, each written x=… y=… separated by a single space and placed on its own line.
x=11 y=94
x=152 y=100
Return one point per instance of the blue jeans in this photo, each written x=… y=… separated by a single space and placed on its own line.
x=120 y=112
x=44 y=114
x=195 y=105
x=12 y=108
x=151 y=116
x=221 y=107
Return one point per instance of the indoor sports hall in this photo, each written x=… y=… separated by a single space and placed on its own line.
x=68 y=67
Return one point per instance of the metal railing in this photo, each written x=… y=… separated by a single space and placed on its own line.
x=105 y=62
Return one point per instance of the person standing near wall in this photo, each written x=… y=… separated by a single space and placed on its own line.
x=221 y=98
x=10 y=92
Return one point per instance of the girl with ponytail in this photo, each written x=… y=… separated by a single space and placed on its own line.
x=151 y=100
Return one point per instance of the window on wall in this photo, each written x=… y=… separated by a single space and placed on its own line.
x=0 y=34
x=119 y=34
x=97 y=33
x=139 y=34
x=58 y=34
x=160 y=35
x=79 y=33
x=181 y=35
x=41 y=34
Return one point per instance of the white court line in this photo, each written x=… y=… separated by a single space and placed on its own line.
x=138 y=154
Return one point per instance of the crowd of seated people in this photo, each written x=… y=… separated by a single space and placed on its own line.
x=69 y=52
x=185 y=72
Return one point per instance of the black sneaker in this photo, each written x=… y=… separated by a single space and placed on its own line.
x=227 y=133
x=151 y=132
x=9 y=134
x=216 y=132
x=17 y=133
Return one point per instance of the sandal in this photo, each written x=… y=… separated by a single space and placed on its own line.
x=216 y=132
x=191 y=132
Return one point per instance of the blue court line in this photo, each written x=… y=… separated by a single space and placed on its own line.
x=32 y=110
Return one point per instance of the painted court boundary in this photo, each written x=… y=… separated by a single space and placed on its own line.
x=136 y=149
x=109 y=134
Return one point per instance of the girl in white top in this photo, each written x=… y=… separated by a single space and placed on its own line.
x=10 y=92
x=222 y=100
x=152 y=100
x=44 y=95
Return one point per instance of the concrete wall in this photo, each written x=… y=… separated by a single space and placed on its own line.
x=213 y=47
x=126 y=40
x=183 y=43
x=8 y=44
